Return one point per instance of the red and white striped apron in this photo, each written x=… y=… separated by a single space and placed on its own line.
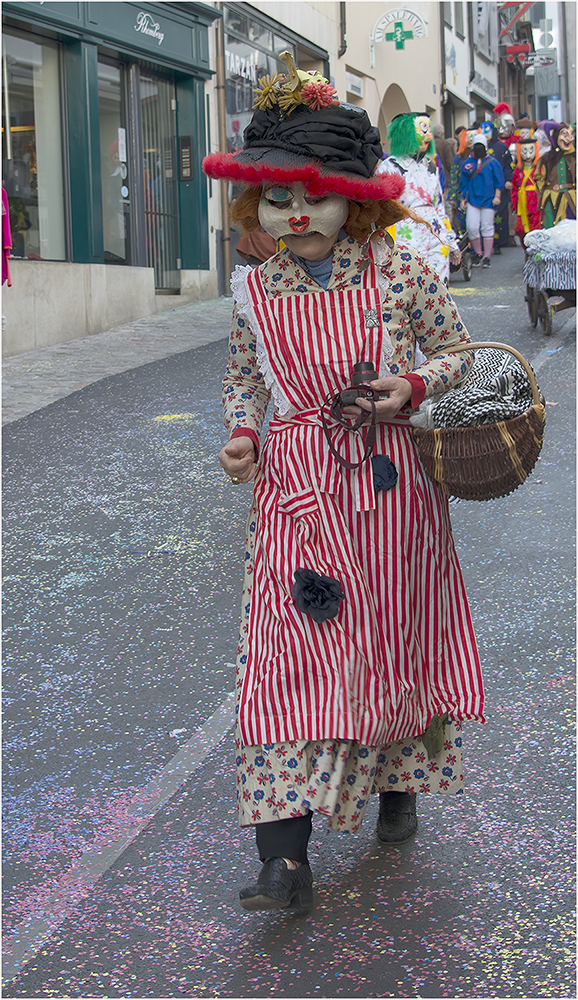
x=401 y=648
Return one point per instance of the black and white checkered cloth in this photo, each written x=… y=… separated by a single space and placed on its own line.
x=496 y=388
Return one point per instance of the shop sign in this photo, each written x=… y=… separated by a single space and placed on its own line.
x=399 y=25
x=354 y=84
x=537 y=59
x=484 y=87
x=148 y=26
x=238 y=65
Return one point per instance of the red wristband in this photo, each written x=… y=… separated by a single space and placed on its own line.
x=247 y=432
x=417 y=390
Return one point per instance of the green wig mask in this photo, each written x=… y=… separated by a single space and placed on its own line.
x=402 y=137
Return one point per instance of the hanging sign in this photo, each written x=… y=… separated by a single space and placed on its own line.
x=399 y=25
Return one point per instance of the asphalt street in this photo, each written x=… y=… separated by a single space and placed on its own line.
x=124 y=545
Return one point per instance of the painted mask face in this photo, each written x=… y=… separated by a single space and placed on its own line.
x=284 y=211
x=506 y=126
x=423 y=132
x=527 y=151
x=525 y=134
x=470 y=137
x=566 y=138
x=486 y=129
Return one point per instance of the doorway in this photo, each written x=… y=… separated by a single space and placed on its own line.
x=158 y=109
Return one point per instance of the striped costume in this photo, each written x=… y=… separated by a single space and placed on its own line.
x=330 y=712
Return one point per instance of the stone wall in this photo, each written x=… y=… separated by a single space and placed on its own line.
x=51 y=302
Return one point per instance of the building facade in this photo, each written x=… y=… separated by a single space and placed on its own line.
x=110 y=107
x=104 y=129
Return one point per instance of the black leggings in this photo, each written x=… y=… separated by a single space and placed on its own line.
x=285 y=838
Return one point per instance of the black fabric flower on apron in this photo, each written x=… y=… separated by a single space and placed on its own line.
x=316 y=595
x=384 y=473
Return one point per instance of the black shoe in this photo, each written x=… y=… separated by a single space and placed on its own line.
x=397 y=820
x=277 y=888
x=486 y=262
x=497 y=250
x=476 y=262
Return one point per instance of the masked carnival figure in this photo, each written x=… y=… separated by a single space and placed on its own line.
x=556 y=177
x=481 y=184
x=525 y=200
x=412 y=156
x=502 y=146
x=357 y=662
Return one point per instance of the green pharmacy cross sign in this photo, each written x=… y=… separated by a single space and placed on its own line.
x=398 y=35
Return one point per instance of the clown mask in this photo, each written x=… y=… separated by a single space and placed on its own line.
x=566 y=138
x=527 y=152
x=423 y=132
x=486 y=128
x=471 y=135
x=307 y=224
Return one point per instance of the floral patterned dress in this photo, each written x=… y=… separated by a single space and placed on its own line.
x=330 y=713
x=423 y=194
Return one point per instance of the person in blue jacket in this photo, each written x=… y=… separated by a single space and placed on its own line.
x=481 y=184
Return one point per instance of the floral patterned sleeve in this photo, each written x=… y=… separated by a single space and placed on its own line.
x=245 y=397
x=423 y=311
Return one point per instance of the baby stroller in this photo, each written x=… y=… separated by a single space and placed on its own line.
x=466 y=262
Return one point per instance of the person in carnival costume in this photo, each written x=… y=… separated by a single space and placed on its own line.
x=501 y=145
x=357 y=662
x=525 y=199
x=482 y=181
x=556 y=177
x=465 y=139
x=412 y=156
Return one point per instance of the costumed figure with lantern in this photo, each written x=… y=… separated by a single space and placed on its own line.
x=525 y=199
x=556 y=177
x=357 y=662
x=413 y=157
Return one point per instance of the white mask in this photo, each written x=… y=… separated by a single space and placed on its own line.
x=288 y=209
x=527 y=151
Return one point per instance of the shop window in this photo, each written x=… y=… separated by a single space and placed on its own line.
x=447 y=11
x=113 y=164
x=32 y=148
x=260 y=35
x=281 y=45
x=244 y=64
x=459 y=18
x=235 y=21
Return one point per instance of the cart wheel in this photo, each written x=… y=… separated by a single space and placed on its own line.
x=531 y=295
x=544 y=312
x=467 y=266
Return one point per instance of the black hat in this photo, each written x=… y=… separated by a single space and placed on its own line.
x=300 y=132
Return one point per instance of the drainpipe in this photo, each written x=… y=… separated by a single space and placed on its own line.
x=443 y=95
x=221 y=113
x=342 y=31
x=470 y=8
x=7 y=110
x=566 y=64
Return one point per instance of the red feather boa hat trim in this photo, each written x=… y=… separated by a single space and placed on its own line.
x=226 y=166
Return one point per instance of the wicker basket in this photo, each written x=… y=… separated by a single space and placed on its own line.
x=486 y=461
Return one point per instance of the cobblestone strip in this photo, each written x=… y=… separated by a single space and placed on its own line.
x=32 y=380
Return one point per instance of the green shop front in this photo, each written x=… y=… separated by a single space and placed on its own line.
x=104 y=126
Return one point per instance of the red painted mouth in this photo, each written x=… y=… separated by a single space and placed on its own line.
x=299 y=225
